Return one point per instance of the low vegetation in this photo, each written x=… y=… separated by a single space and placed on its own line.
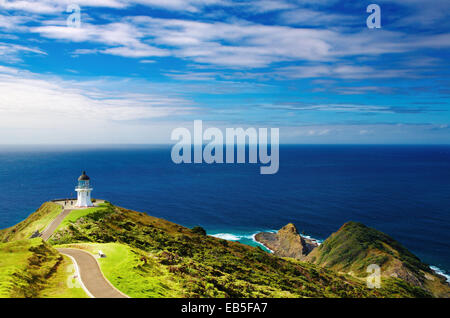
x=132 y=271
x=37 y=221
x=32 y=268
x=151 y=257
x=355 y=246
x=74 y=215
x=191 y=264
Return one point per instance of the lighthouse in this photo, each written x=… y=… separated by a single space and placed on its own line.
x=84 y=191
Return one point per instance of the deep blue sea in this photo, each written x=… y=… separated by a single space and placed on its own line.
x=401 y=190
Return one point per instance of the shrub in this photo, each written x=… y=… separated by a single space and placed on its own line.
x=198 y=230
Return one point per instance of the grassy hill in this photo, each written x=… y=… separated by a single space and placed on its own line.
x=37 y=221
x=355 y=246
x=152 y=257
x=171 y=260
x=31 y=268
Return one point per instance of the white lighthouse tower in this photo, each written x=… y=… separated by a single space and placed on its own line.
x=84 y=191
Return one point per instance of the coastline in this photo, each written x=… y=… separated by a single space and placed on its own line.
x=427 y=239
x=286 y=245
x=247 y=238
x=261 y=243
x=243 y=237
x=441 y=272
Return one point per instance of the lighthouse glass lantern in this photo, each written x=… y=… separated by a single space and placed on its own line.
x=84 y=190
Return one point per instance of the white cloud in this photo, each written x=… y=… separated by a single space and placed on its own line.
x=237 y=44
x=180 y=5
x=234 y=44
x=30 y=6
x=137 y=51
x=10 y=53
x=42 y=109
x=343 y=71
x=263 y=6
x=363 y=134
x=193 y=76
x=27 y=95
x=336 y=108
x=123 y=37
x=308 y=17
x=147 y=61
x=57 y=6
x=13 y=22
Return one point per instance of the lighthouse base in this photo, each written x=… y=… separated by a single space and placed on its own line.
x=84 y=198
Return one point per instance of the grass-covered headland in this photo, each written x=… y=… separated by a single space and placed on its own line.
x=152 y=257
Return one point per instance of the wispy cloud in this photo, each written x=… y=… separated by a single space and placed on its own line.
x=222 y=60
x=25 y=94
x=236 y=44
x=352 y=108
x=342 y=71
x=54 y=6
x=11 y=53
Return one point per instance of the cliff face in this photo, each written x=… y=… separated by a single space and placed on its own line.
x=287 y=242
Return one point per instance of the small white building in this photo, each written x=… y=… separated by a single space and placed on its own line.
x=84 y=191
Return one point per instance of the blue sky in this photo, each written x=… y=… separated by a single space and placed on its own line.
x=137 y=69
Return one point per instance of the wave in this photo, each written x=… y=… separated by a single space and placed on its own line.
x=441 y=272
x=261 y=244
x=228 y=236
x=237 y=237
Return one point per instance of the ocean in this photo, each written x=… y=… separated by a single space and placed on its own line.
x=403 y=191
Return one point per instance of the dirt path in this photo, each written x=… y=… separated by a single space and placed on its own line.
x=55 y=223
x=91 y=275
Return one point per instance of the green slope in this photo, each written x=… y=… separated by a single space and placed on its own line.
x=37 y=221
x=195 y=265
x=31 y=268
x=355 y=246
x=151 y=257
x=75 y=215
x=132 y=271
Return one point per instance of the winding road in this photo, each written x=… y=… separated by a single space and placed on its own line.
x=92 y=279
x=91 y=275
x=47 y=233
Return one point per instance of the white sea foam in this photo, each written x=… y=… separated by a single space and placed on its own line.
x=441 y=272
x=254 y=240
x=228 y=236
x=312 y=239
x=237 y=237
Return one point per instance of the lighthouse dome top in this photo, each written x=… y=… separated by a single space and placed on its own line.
x=84 y=177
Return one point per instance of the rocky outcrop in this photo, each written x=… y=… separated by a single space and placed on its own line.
x=287 y=242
